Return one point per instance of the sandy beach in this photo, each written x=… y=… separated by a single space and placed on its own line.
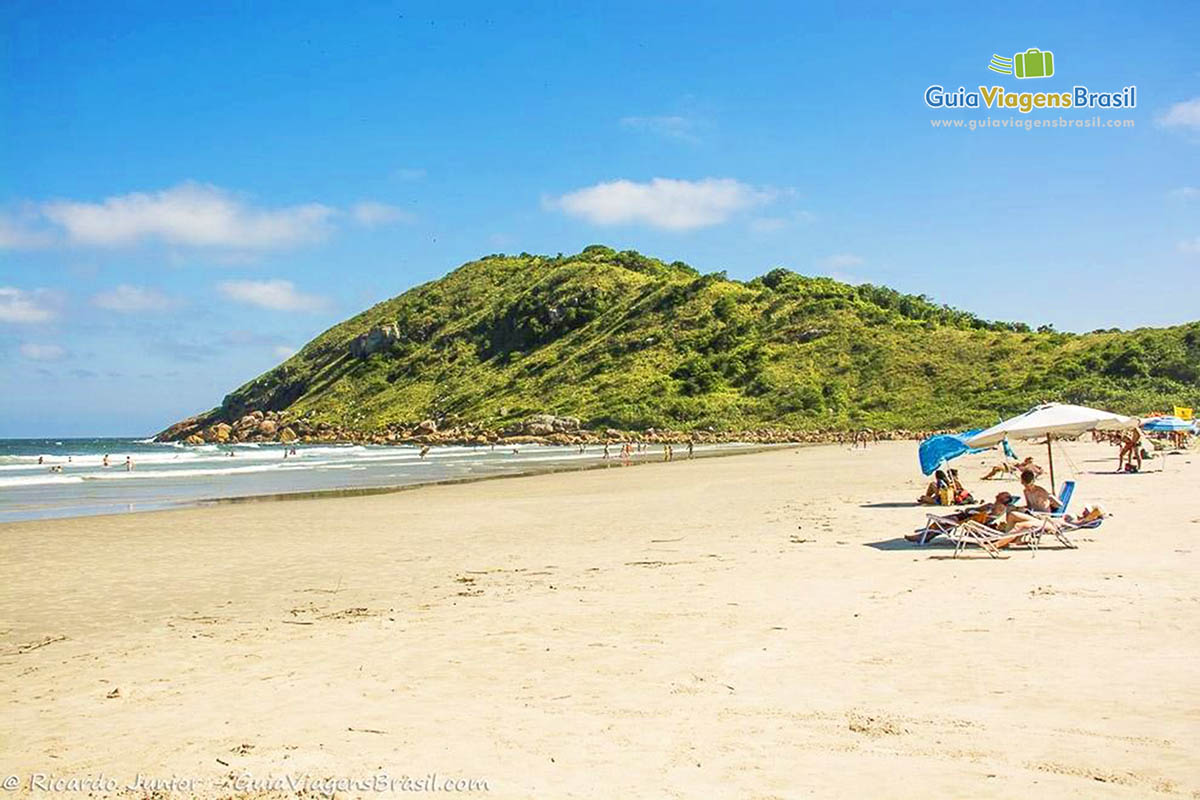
x=750 y=626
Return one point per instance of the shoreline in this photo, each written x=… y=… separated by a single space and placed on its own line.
x=368 y=491
x=140 y=506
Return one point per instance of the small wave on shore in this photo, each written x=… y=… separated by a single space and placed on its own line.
x=67 y=477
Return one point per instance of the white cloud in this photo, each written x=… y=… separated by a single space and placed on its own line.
x=277 y=295
x=1182 y=115
x=190 y=214
x=128 y=299
x=42 y=352
x=774 y=224
x=17 y=305
x=840 y=261
x=372 y=214
x=1191 y=246
x=666 y=203
x=669 y=126
x=1186 y=192
x=16 y=235
x=283 y=351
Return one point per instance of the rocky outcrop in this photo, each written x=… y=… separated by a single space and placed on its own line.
x=543 y=429
x=378 y=338
x=543 y=425
x=187 y=428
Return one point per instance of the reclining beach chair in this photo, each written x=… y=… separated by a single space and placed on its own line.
x=935 y=525
x=1054 y=522
x=1068 y=489
x=988 y=539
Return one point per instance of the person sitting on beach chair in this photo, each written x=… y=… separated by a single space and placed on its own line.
x=1036 y=497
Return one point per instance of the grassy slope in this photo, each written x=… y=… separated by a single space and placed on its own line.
x=622 y=340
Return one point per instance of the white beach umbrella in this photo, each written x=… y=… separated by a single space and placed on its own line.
x=1052 y=420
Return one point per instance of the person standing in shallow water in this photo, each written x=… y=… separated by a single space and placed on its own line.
x=424 y=451
x=128 y=463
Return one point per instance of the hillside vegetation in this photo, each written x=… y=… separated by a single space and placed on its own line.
x=621 y=340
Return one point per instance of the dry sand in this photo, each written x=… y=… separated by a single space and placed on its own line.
x=743 y=627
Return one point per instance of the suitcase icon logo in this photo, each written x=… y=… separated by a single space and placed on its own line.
x=1033 y=63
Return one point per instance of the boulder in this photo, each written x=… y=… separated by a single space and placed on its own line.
x=267 y=427
x=220 y=432
x=426 y=427
x=545 y=424
x=287 y=435
x=193 y=440
x=374 y=340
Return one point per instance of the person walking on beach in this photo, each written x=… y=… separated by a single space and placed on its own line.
x=424 y=451
x=606 y=454
x=691 y=447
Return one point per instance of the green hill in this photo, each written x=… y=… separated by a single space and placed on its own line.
x=621 y=340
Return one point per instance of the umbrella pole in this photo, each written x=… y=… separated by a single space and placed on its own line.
x=1050 y=455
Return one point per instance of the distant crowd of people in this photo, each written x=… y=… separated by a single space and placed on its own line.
x=70 y=460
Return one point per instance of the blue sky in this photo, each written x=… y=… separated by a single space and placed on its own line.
x=190 y=191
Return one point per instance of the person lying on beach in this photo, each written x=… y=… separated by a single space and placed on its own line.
x=1037 y=498
x=991 y=514
x=1019 y=524
x=1002 y=516
x=1089 y=515
x=1013 y=468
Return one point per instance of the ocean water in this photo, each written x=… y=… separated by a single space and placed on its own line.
x=167 y=475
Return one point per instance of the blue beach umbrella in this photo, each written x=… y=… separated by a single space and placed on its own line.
x=937 y=450
x=1168 y=425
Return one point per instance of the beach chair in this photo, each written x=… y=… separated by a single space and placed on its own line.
x=1068 y=489
x=987 y=539
x=935 y=525
x=1055 y=524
